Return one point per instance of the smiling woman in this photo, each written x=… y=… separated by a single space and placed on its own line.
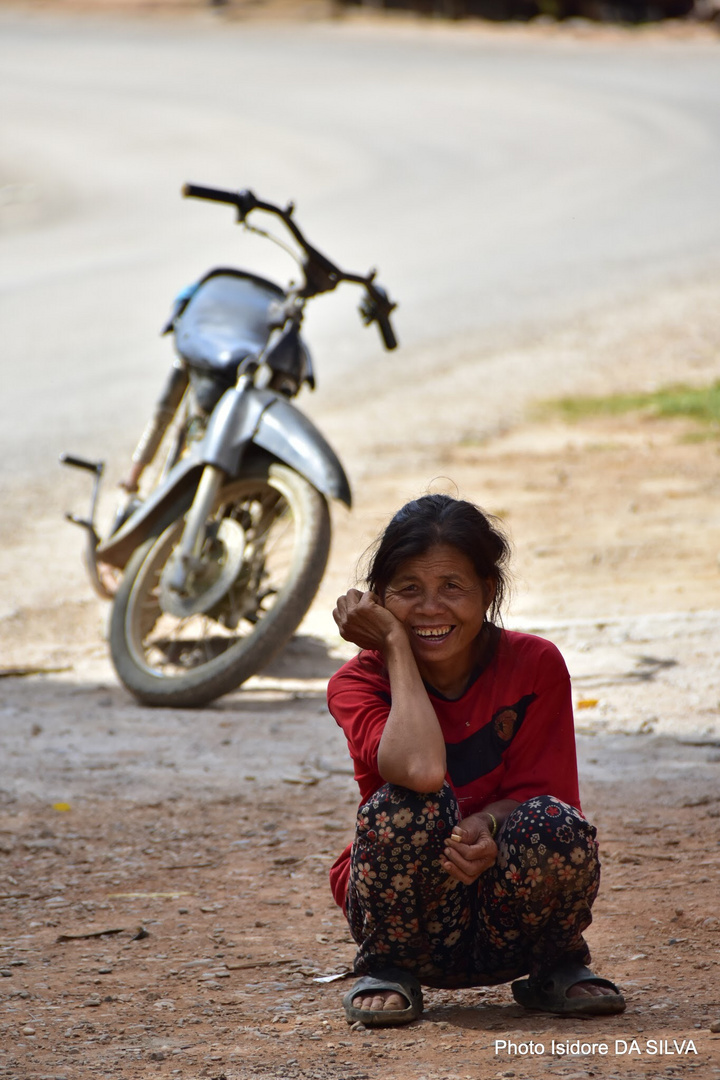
x=472 y=862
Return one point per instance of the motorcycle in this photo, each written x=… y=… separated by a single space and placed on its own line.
x=212 y=570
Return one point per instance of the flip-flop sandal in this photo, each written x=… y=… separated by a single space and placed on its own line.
x=549 y=993
x=395 y=979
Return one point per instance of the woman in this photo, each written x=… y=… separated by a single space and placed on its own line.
x=472 y=863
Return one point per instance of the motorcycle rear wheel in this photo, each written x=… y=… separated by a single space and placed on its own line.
x=188 y=660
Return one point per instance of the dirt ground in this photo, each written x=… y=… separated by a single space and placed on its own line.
x=186 y=938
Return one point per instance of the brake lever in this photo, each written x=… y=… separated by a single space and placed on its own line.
x=376 y=306
x=371 y=306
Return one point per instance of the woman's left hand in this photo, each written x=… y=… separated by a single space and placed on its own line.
x=470 y=850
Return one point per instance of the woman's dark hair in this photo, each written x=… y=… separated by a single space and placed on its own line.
x=440 y=519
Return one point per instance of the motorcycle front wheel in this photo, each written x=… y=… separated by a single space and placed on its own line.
x=264 y=555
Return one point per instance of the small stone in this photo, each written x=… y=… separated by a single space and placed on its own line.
x=28 y=1030
x=105 y=971
x=6 y=973
x=715 y=1026
x=92 y=1002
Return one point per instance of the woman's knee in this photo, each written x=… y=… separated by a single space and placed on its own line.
x=393 y=811
x=554 y=835
x=545 y=819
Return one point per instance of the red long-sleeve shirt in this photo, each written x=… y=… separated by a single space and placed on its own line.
x=510 y=736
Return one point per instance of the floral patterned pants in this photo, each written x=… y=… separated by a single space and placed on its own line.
x=525 y=914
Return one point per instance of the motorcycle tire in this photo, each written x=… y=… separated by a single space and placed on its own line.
x=187 y=660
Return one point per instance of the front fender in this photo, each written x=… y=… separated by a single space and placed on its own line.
x=265 y=418
x=288 y=435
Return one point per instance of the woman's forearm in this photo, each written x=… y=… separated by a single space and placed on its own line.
x=412 y=747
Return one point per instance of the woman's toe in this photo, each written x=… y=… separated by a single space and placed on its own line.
x=379 y=1002
x=588 y=989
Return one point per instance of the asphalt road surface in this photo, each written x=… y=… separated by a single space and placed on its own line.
x=500 y=182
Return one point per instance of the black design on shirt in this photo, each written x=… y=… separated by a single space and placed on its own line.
x=482 y=751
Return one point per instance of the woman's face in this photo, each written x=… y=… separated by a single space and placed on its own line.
x=441 y=602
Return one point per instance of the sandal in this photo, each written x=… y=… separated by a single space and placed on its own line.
x=549 y=993
x=395 y=979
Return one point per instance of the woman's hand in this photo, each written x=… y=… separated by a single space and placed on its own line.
x=363 y=620
x=470 y=849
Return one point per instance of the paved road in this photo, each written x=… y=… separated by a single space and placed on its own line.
x=498 y=181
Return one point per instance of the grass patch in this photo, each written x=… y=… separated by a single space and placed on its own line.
x=700 y=403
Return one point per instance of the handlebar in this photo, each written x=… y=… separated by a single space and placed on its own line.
x=321 y=274
x=244 y=201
